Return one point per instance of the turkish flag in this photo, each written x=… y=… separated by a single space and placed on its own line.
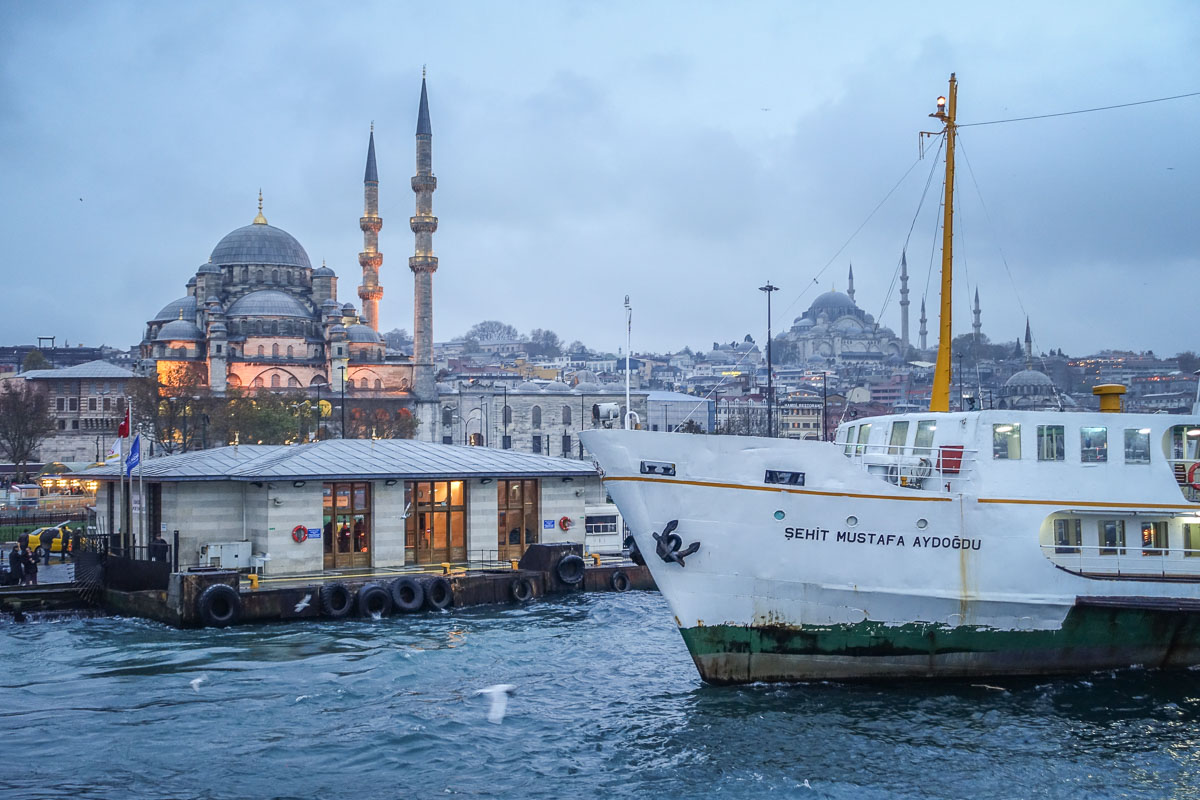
x=123 y=428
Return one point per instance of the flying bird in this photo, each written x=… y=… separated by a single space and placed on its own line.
x=499 y=695
x=303 y=604
x=195 y=682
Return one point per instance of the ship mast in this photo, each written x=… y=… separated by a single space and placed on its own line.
x=939 y=400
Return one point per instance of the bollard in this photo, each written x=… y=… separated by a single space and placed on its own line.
x=253 y=580
x=514 y=563
x=445 y=567
x=595 y=559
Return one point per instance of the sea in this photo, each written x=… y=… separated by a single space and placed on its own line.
x=605 y=702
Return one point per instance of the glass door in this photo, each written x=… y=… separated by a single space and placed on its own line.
x=347 y=530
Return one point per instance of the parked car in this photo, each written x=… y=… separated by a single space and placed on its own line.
x=55 y=538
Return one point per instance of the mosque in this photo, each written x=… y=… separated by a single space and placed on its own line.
x=834 y=329
x=258 y=315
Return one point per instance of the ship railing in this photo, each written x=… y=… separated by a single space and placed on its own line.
x=1187 y=475
x=1124 y=562
x=945 y=468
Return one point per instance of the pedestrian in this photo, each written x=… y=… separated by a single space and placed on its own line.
x=28 y=562
x=16 y=566
x=159 y=547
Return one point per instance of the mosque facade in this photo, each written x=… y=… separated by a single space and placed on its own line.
x=835 y=330
x=258 y=315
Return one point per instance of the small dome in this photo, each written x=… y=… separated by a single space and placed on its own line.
x=324 y=272
x=363 y=333
x=212 y=298
x=585 y=376
x=260 y=244
x=171 y=311
x=329 y=305
x=209 y=269
x=529 y=386
x=337 y=330
x=217 y=327
x=191 y=282
x=557 y=387
x=588 y=387
x=803 y=322
x=348 y=308
x=179 y=330
x=268 y=303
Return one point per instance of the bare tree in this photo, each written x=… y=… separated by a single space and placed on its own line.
x=491 y=330
x=25 y=422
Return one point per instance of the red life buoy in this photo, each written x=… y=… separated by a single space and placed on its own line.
x=565 y=524
x=1194 y=481
x=299 y=534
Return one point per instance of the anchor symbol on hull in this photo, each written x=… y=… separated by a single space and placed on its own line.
x=669 y=544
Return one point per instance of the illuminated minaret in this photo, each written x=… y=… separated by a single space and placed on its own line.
x=923 y=332
x=370 y=293
x=904 y=302
x=423 y=263
x=850 y=288
x=976 y=325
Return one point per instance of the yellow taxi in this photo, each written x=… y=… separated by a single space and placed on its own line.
x=55 y=538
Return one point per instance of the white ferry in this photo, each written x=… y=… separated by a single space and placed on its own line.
x=937 y=544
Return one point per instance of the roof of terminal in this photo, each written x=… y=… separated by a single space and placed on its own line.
x=350 y=459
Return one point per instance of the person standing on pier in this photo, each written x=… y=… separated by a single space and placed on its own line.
x=16 y=565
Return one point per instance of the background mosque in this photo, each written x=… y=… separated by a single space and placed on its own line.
x=834 y=330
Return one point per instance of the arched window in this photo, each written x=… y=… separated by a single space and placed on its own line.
x=274 y=381
x=274 y=276
x=258 y=382
x=566 y=417
x=447 y=416
x=508 y=415
x=293 y=383
x=245 y=274
x=275 y=351
x=378 y=383
x=262 y=350
x=291 y=354
x=536 y=414
x=362 y=384
x=259 y=276
x=289 y=277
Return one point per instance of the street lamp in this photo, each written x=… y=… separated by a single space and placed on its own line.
x=342 y=367
x=317 y=427
x=769 y=289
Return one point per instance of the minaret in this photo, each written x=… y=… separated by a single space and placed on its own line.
x=904 y=302
x=423 y=263
x=1028 y=346
x=923 y=332
x=850 y=288
x=370 y=293
x=976 y=325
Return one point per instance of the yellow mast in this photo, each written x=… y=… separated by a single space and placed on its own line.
x=939 y=400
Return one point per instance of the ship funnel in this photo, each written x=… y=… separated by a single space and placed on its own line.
x=1110 y=397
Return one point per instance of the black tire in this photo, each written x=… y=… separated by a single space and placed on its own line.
x=219 y=606
x=570 y=569
x=438 y=594
x=521 y=590
x=619 y=581
x=408 y=595
x=336 y=600
x=374 y=599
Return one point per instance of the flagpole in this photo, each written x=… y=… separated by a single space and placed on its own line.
x=125 y=516
x=142 y=494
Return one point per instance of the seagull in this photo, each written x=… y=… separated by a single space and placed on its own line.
x=303 y=604
x=195 y=682
x=499 y=695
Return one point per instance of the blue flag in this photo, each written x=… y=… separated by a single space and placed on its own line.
x=134 y=457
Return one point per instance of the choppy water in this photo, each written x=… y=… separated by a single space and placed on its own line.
x=607 y=705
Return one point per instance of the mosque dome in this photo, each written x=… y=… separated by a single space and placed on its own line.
x=363 y=333
x=585 y=376
x=209 y=269
x=557 y=387
x=173 y=309
x=267 y=303
x=833 y=303
x=259 y=243
x=588 y=387
x=324 y=272
x=529 y=386
x=179 y=330
x=1030 y=378
x=804 y=322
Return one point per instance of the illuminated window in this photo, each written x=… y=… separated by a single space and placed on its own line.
x=1051 y=443
x=1093 y=445
x=1006 y=441
x=1112 y=537
x=1137 y=445
x=1068 y=535
x=1154 y=538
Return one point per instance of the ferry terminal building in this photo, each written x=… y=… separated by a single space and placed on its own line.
x=355 y=503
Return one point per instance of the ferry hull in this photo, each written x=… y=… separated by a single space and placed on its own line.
x=1090 y=639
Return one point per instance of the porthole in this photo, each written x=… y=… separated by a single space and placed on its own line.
x=780 y=515
x=851 y=520
x=922 y=524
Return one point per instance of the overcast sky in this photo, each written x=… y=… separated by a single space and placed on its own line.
x=681 y=153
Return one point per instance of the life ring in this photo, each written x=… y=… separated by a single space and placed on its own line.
x=374 y=599
x=564 y=524
x=336 y=600
x=299 y=534
x=219 y=605
x=619 y=581
x=1192 y=479
x=521 y=589
x=408 y=595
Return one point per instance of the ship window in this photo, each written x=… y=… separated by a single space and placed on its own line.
x=1154 y=538
x=923 y=443
x=1112 y=537
x=784 y=478
x=898 y=438
x=1137 y=445
x=1093 y=445
x=1185 y=443
x=850 y=440
x=1068 y=535
x=1006 y=441
x=1051 y=443
x=1191 y=539
x=864 y=433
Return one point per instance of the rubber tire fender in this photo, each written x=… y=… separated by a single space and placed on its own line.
x=336 y=600
x=372 y=594
x=219 y=606
x=439 y=595
x=569 y=569
x=619 y=581
x=521 y=590
x=408 y=595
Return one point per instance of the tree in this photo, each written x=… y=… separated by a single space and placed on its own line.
x=35 y=360
x=397 y=339
x=544 y=343
x=1189 y=362
x=172 y=406
x=491 y=330
x=382 y=423
x=263 y=417
x=578 y=347
x=25 y=422
x=783 y=350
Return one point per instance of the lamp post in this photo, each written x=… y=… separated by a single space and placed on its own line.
x=769 y=289
x=824 y=403
x=342 y=367
x=317 y=427
x=960 y=382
